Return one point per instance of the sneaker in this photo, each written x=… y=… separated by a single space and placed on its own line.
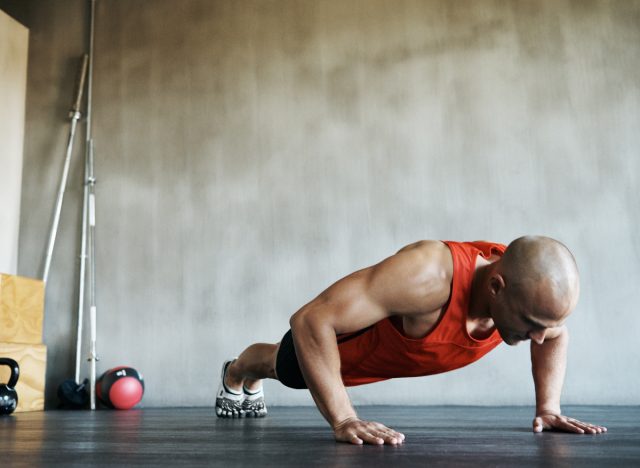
x=228 y=402
x=253 y=404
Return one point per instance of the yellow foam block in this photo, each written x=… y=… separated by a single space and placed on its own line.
x=32 y=360
x=21 y=309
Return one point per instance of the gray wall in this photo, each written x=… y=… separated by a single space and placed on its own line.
x=249 y=153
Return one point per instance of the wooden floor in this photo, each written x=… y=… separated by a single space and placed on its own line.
x=436 y=436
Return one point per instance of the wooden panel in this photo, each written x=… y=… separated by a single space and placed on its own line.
x=14 y=45
x=33 y=364
x=21 y=309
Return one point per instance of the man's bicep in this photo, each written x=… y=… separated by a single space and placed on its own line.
x=346 y=305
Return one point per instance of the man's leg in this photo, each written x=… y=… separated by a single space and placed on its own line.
x=240 y=393
x=257 y=362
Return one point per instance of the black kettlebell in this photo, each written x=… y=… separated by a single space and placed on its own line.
x=8 y=394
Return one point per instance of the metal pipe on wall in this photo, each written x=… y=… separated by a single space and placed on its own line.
x=88 y=230
x=74 y=115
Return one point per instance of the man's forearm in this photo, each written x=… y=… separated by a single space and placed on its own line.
x=319 y=359
x=549 y=364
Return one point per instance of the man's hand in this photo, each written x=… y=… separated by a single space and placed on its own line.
x=356 y=431
x=558 y=422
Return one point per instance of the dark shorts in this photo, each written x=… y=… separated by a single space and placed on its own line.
x=287 y=367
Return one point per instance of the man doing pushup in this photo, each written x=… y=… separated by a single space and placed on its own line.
x=430 y=308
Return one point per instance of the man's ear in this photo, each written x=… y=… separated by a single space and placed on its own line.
x=496 y=284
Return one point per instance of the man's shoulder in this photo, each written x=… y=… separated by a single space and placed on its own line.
x=423 y=271
x=434 y=257
x=426 y=246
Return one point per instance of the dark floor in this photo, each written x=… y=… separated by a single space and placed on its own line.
x=435 y=436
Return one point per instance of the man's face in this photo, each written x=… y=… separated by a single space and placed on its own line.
x=517 y=320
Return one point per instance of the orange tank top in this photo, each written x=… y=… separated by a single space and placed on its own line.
x=382 y=351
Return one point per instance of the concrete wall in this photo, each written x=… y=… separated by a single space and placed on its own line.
x=250 y=153
x=14 y=47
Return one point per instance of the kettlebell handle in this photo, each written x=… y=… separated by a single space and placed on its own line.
x=15 y=371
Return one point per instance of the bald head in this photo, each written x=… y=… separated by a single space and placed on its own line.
x=543 y=271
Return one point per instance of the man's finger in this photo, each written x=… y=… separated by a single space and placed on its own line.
x=586 y=427
x=371 y=438
x=593 y=428
x=389 y=437
x=395 y=434
x=569 y=427
x=538 y=424
x=597 y=428
x=354 y=439
x=382 y=429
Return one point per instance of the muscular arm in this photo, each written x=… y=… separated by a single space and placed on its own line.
x=413 y=281
x=319 y=359
x=548 y=365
